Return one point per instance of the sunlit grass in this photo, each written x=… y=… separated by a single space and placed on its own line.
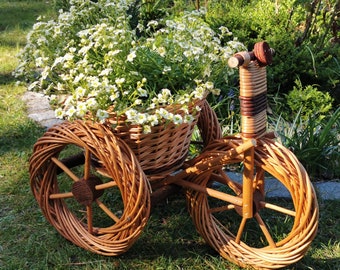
x=13 y=37
x=23 y=13
x=8 y=59
x=169 y=240
x=17 y=18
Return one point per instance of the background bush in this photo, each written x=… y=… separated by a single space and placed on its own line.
x=308 y=102
x=61 y=4
x=304 y=34
x=304 y=80
x=315 y=142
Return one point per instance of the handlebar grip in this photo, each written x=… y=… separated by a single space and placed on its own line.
x=262 y=53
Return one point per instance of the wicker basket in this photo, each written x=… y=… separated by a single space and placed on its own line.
x=165 y=148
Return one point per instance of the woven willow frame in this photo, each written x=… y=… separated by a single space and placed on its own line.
x=165 y=148
x=119 y=154
x=132 y=160
x=273 y=158
x=120 y=165
x=248 y=198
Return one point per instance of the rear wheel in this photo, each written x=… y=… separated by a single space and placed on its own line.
x=90 y=187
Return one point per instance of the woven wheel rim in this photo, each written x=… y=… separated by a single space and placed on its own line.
x=120 y=164
x=208 y=124
x=270 y=156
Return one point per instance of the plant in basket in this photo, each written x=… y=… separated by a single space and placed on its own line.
x=94 y=64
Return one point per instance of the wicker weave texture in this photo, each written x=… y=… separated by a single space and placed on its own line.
x=273 y=158
x=166 y=147
x=208 y=124
x=253 y=89
x=119 y=163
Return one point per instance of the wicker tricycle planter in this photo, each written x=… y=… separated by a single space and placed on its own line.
x=96 y=184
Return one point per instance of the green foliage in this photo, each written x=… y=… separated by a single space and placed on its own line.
x=227 y=109
x=169 y=241
x=92 y=55
x=306 y=48
x=61 y=4
x=305 y=38
x=17 y=18
x=309 y=101
x=315 y=142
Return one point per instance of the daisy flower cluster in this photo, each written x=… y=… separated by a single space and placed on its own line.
x=93 y=63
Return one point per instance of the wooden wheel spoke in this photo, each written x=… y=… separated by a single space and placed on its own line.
x=259 y=179
x=211 y=192
x=222 y=208
x=61 y=195
x=107 y=210
x=87 y=164
x=223 y=178
x=224 y=196
x=240 y=230
x=89 y=215
x=65 y=169
x=109 y=184
x=278 y=208
x=236 y=187
x=265 y=230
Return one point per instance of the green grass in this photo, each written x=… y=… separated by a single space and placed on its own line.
x=169 y=240
x=17 y=18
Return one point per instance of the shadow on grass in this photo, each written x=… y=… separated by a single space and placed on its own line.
x=7 y=78
x=18 y=17
x=12 y=42
x=20 y=137
x=170 y=238
x=21 y=14
x=164 y=237
x=310 y=263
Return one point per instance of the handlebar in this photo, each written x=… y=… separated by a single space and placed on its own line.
x=262 y=53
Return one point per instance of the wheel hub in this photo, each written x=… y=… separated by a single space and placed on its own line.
x=85 y=192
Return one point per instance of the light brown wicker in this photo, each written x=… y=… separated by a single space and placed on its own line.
x=208 y=124
x=118 y=166
x=162 y=150
x=210 y=203
x=253 y=90
x=270 y=158
x=69 y=197
x=118 y=154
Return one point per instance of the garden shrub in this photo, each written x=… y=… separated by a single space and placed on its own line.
x=315 y=142
x=308 y=101
x=61 y=4
x=304 y=35
x=94 y=60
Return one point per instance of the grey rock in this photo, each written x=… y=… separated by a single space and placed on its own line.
x=39 y=110
x=329 y=190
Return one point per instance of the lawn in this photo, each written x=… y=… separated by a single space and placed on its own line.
x=169 y=241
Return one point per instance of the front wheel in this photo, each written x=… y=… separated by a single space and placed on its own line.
x=280 y=230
